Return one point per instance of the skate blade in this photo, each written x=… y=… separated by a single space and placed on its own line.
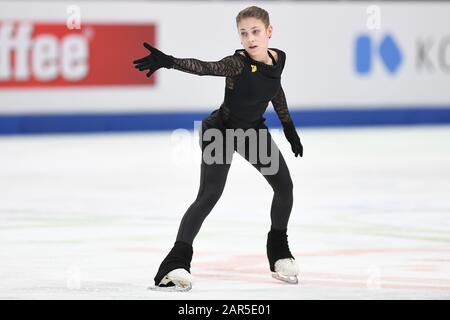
x=175 y=288
x=288 y=279
x=173 y=282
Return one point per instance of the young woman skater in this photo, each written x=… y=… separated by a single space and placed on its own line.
x=253 y=77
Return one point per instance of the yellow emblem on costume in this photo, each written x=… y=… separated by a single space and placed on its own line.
x=253 y=68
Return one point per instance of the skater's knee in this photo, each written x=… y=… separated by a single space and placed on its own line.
x=210 y=196
x=213 y=196
x=284 y=186
x=289 y=185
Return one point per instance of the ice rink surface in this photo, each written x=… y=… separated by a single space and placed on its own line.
x=92 y=216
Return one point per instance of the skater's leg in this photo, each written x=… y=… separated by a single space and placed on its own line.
x=280 y=181
x=212 y=183
x=213 y=177
x=281 y=261
x=282 y=201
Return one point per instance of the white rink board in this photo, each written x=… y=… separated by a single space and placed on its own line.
x=318 y=39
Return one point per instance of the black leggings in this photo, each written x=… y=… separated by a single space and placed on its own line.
x=212 y=182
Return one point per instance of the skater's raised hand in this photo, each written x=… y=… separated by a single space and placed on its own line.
x=293 y=138
x=155 y=60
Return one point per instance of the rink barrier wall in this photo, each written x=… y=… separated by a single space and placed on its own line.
x=152 y=121
x=336 y=54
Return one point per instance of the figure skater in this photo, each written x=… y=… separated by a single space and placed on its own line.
x=253 y=77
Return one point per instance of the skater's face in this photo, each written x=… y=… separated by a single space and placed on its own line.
x=254 y=36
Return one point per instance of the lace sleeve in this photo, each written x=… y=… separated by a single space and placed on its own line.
x=227 y=67
x=280 y=106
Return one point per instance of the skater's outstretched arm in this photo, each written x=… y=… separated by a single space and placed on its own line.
x=281 y=108
x=226 y=67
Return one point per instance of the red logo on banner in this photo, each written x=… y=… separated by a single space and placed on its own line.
x=50 y=55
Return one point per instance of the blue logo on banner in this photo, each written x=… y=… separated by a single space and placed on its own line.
x=388 y=50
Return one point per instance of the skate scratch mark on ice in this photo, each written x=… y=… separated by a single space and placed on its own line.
x=352 y=220
x=246 y=265
x=353 y=252
x=235 y=277
x=140 y=249
x=305 y=280
x=333 y=281
x=226 y=266
x=383 y=285
x=373 y=231
x=363 y=276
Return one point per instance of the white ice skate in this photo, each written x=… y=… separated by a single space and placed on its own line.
x=286 y=270
x=175 y=280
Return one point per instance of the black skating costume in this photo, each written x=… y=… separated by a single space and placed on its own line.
x=249 y=86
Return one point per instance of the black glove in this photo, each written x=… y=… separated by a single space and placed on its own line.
x=155 y=60
x=293 y=138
